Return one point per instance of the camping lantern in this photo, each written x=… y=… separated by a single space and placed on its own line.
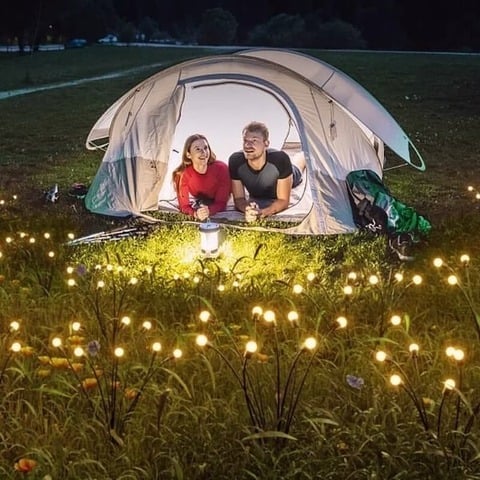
x=209 y=239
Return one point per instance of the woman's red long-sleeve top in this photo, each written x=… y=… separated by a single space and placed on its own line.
x=213 y=185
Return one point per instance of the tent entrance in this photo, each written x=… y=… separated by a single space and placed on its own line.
x=220 y=111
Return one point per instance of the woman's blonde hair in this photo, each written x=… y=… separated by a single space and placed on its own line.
x=177 y=173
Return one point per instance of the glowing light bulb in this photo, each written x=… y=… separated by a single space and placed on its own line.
x=347 y=289
x=413 y=348
x=269 y=316
x=221 y=288
x=310 y=276
x=79 y=352
x=16 y=347
x=352 y=276
x=310 y=343
x=71 y=236
x=437 y=262
x=109 y=268
x=465 y=258
x=459 y=354
x=449 y=384
x=470 y=188
x=147 y=325
x=133 y=281
x=396 y=380
x=14 y=326
x=51 y=254
x=342 y=322
x=257 y=311
x=196 y=279
x=204 y=316
x=126 y=321
x=71 y=282
x=201 y=340
x=119 y=352
x=31 y=240
x=380 y=356
x=46 y=235
x=251 y=346
x=373 y=279
x=100 y=284
x=396 y=320
x=297 y=289
x=76 y=326
x=417 y=279
x=156 y=346
x=399 y=277
x=450 y=351
x=177 y=353
x=452 y=280
x=57 y=342
x=292 y=316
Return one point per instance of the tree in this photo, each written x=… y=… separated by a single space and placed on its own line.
x=280 y=31
x=337 y=34
x=218 y=27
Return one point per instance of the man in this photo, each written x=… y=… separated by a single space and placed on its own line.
x=267 y=175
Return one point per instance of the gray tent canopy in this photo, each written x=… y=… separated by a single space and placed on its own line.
x=310 y=108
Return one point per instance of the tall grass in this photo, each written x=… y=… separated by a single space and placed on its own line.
x=167 y=406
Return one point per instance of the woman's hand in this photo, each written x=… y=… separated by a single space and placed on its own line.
x=202 y=213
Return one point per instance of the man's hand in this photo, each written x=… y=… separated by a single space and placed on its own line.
x=251 y=212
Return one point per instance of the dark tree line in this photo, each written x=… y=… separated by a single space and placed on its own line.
x=374 y=24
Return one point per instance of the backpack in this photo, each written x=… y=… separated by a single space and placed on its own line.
x=376 y=210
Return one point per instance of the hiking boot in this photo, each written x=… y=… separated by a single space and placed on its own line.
x=401 y=245
x=78 y=190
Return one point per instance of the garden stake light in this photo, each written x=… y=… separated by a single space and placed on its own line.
x=462 y=280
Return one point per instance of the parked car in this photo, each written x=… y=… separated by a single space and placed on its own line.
x=110 y=38
x=76 y=43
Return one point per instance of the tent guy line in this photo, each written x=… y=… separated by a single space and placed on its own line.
x=71 y=83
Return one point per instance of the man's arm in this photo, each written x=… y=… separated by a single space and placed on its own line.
x=238 y=193
x=284 y=188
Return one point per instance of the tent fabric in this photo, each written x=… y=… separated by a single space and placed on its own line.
x=308 y=105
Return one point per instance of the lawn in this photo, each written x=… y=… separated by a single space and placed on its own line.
x=284 y=358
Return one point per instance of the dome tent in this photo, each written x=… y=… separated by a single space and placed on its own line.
x=308 y=105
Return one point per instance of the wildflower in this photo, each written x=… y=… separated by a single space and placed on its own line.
x=44 y=360
x=43 y=372
x=25 y=465
x=76 y=340
x=355 y=382
x=27 y=351
x=77 y=366
x=59 y=362
x=93 y=348
x=261 y=357
x=81 y=270
x=89 y=383
x=131 y=393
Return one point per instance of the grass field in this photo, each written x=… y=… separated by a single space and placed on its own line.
x=134 y=359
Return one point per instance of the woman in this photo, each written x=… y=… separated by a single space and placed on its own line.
x=201 y=181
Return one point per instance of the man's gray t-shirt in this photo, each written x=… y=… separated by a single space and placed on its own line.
x=261 y=184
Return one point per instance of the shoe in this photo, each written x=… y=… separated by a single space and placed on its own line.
x=78 y=190
x=401 y=245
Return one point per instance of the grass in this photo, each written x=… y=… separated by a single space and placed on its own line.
x=167 y=407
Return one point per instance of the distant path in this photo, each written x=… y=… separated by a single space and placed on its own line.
x=23 y=91
x=51 y=86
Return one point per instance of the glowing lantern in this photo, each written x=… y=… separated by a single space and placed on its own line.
x=209 y=239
